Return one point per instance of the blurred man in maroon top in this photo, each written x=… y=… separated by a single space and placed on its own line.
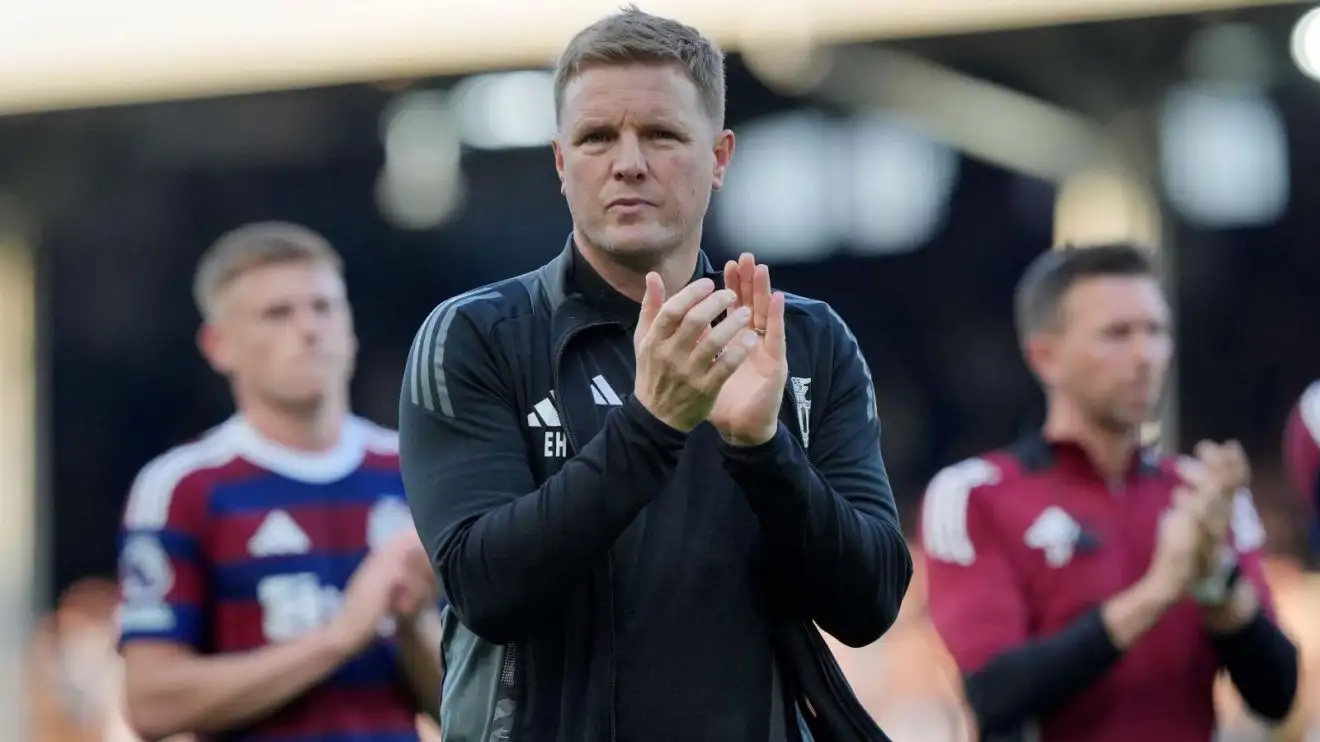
x=1090 y=590
x=1301 y=452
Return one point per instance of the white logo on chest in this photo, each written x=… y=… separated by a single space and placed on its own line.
x=278 y=535
x=545 y=415
x=1055 y=533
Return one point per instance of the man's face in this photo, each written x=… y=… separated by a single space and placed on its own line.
x=1112 y=350
x=284 y=333
x=638 y=156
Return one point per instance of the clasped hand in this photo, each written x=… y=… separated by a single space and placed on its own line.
x=1194 y=533
x=394 y=583
x=731 y=373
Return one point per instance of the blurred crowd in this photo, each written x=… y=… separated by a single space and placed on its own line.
x=906 y=680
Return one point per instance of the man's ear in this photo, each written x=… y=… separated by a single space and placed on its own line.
x=559 y=161
x=1041 y=352
x=724 y=145
x=215 y=348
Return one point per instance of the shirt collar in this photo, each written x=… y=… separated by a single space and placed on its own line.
x=584 y=281
x=596 y=292
x=1037 y=453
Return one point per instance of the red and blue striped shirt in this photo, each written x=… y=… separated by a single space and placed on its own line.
x=232 y=542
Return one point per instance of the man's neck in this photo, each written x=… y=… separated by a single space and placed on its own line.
x=675 y=268
x=315 y=431
x=1110 y=451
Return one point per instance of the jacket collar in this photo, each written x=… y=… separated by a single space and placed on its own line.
x=1037 y=453
x=571 y=308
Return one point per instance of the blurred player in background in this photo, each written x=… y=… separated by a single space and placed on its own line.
x=74 y=679
x=273 y=584
x=1299 y=589
x=1090 y=590
x=1301 y=451
x=1296 y=587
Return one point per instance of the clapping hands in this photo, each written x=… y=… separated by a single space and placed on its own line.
x=1193 y=543
x=731 y=373
x=1212 y=480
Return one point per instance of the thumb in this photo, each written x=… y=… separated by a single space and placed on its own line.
x=652 y=300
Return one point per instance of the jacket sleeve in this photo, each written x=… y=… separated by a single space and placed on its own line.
x=832 y=525
x=981 y=615
x=501 y=545
x=1261 y=660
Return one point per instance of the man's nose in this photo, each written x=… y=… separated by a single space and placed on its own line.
x=629 y=159
x=1146 y=348
x=310 y=325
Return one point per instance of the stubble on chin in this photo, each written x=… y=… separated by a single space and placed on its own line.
x=639 y=255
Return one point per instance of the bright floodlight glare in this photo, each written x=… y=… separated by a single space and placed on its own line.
x=901 y=186
x=777 y=196
x=418 y=204
x=419 y=135
x=1306 y=44
x=505 y=110
x=420 y=186
x=1223 y=157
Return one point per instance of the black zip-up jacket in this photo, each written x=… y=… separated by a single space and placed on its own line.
x=589 y=551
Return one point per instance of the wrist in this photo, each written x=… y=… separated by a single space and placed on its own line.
x=1233 y=614
x=1158 y=591
x=1217 y=587
x=1131 y=613
x=667 y=432
x=758 y=438
x=407 y=622
x=336 y=641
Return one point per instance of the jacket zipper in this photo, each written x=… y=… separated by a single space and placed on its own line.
x=509 y=672
x=609 y=559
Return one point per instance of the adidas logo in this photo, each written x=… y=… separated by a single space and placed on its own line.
x=545 y=415
x=603 y=394
x=278 y=535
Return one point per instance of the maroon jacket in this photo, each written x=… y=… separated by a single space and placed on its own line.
x=1023 y=544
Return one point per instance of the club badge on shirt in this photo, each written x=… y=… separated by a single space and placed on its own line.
x=801 y=388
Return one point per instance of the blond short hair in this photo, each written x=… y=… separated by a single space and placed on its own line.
x=253 y=246
x=632 y=36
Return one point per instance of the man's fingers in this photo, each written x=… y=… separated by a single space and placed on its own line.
x=674 y=309
x=1205 y=450
x=1213 y=457
x=652 y=300
x=1183 y=499
x=731 y=280
x=1227 y=466
x=719 y=336
x=776 y=336
x=1210 y=510
x=1195 y=474
x=761 y=298
x=735 y=353
x=1239 y=466
x=698 y=318
x=746 y=279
